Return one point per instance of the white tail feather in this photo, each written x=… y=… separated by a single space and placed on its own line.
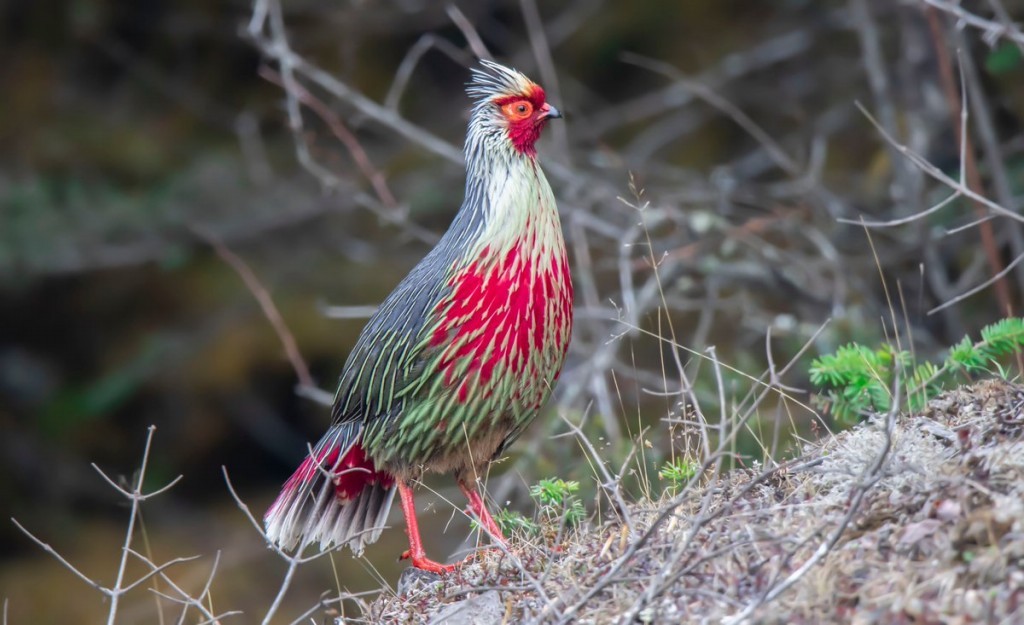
x=312 y=513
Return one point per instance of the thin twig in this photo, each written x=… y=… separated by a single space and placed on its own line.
x=136 y=495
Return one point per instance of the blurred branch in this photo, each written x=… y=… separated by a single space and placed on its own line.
x=958 y=109
x=991 y=31
x=412 y=58
x=254 y=151
x=708 y=95
x=307 y=385
x=275 y=46
x=756 y=57
x=994 y=158
x=996 y=279
x=907 y=180
x=755 y=225
x=343 y=134
x=934 y=172
x=542 y=53
x=476 y=44
x=1007 y=22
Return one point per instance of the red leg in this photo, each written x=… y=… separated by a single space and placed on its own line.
x=416 y=551
x=476 y=503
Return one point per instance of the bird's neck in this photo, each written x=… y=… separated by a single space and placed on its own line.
x=512 y=204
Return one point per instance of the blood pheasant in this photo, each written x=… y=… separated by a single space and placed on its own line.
x=460 y=357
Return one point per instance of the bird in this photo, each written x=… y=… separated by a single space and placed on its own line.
x=460 y=358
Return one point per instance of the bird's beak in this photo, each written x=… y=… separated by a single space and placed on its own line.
x=550 y=111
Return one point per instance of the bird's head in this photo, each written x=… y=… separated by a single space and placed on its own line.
x=509 y=107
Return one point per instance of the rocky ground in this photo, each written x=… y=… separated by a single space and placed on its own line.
x=917 y=519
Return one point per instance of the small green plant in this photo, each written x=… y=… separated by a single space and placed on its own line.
x=558 y=500
x=678 y=473
x=512 y=522
x=858 y=379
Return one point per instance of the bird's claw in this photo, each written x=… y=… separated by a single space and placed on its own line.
x=422 y=562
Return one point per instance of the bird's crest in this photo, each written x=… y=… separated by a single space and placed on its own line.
x=494 y=80
x=510 y=110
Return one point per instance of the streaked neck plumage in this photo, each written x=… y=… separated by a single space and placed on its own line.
x=508 y=198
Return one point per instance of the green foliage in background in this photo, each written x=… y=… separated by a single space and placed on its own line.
x=1004 y=59
x=858 y=379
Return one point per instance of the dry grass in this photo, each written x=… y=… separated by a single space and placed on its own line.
x=938 y=537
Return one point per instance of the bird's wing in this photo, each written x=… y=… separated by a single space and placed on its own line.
x=393 y=349
x=390 y=350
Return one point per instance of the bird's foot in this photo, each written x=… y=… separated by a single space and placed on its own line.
x=422 y=562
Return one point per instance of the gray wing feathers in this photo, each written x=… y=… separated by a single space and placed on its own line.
x=386 y=354
x=386 y=351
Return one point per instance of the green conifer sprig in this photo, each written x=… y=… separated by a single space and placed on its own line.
x=858 y=380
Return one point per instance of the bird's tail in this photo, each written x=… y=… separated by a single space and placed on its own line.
x=336 y=496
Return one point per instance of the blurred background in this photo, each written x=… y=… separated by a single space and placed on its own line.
x=147 y=163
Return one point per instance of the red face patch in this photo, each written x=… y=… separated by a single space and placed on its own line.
x=525 y=118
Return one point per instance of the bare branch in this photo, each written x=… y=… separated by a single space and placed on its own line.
x=476 y=44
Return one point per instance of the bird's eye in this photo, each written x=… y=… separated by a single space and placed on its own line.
x=518 y=110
